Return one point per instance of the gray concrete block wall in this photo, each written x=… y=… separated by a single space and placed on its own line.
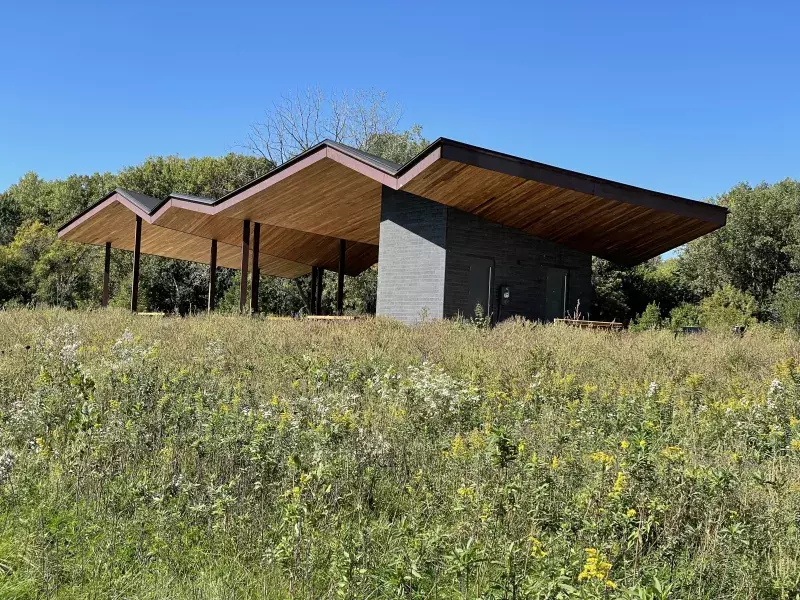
x=411 y=257
x=521 y=262
x=424 y=256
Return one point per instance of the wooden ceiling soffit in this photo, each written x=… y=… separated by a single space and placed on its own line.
x=281 y=242
x=327 y=194
x=114 y=222
x=604 y=218
x=326 y=198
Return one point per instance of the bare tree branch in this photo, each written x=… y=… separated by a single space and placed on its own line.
x=301 y=120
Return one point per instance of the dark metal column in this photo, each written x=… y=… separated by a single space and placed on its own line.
x=340 y=286
x=137 y=254
x=106 y=275
x=212 y=277
x=320 y=280
x=254 y=279
x=245 y=256
x=312 y=299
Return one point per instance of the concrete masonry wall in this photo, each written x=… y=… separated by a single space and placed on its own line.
x=411 y=257
x=424 y=256
x=521 y=262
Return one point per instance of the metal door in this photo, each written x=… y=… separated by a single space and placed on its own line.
x=481 y=274
x=556 y=295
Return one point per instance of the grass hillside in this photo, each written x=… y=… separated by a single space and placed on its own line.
x=228 y=457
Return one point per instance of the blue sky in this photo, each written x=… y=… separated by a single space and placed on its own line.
x=687 y=98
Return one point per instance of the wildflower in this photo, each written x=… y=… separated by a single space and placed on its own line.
x=537 y=548
x=674 y=453
x=652 y=390
x=69 y=353
x=7 y=460
x=467 y=492
x=601 y=457
x=459 y=447
x=630 y=513
x=554 y=464
x=624 y=444
x=694 y=380
x=619 y=485
x=476 y=440
x=596 y=567
x=795 y=445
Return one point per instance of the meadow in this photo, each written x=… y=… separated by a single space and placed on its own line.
x=228 y=457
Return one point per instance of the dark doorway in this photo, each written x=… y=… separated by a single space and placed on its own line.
x=556 y=295
x=481 y=274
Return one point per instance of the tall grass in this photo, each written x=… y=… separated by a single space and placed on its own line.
x=226 y=457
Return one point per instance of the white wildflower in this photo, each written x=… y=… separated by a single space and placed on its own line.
x=7 y=460
x=69 y=353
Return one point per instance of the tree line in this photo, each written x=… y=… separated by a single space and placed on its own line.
x=38 y=268
x=746 y=271
x=749 y=270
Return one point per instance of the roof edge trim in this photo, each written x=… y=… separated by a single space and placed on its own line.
x=117 y=195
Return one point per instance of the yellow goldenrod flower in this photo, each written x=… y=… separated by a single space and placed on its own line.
x=619 y=485
x=674 y=453
x=537 y=548
x=467 y=492
x=601 y=457
x=458 y=448
x=596 y=567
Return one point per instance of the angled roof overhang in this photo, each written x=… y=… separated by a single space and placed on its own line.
x=333 y=192
x=612 y=220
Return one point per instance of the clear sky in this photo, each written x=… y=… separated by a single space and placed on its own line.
x=687 y=98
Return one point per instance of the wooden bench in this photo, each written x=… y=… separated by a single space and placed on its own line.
x=332 y=317
x=585 y=324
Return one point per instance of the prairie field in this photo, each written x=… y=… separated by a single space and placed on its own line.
x=230 y=457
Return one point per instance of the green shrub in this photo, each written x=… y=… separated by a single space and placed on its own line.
x=785 y=301
x=727 y=307
x=684 y=315
x=649 y=319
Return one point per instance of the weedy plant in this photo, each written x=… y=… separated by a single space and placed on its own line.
x=225 y=457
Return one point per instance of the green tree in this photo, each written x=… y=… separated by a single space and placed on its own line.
x=785 y=301
x=67 y=274
x=397 y=147
x=623 y=292
x=10 y=217
x=728 y=307
x=159 y=176
x=759 y=245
